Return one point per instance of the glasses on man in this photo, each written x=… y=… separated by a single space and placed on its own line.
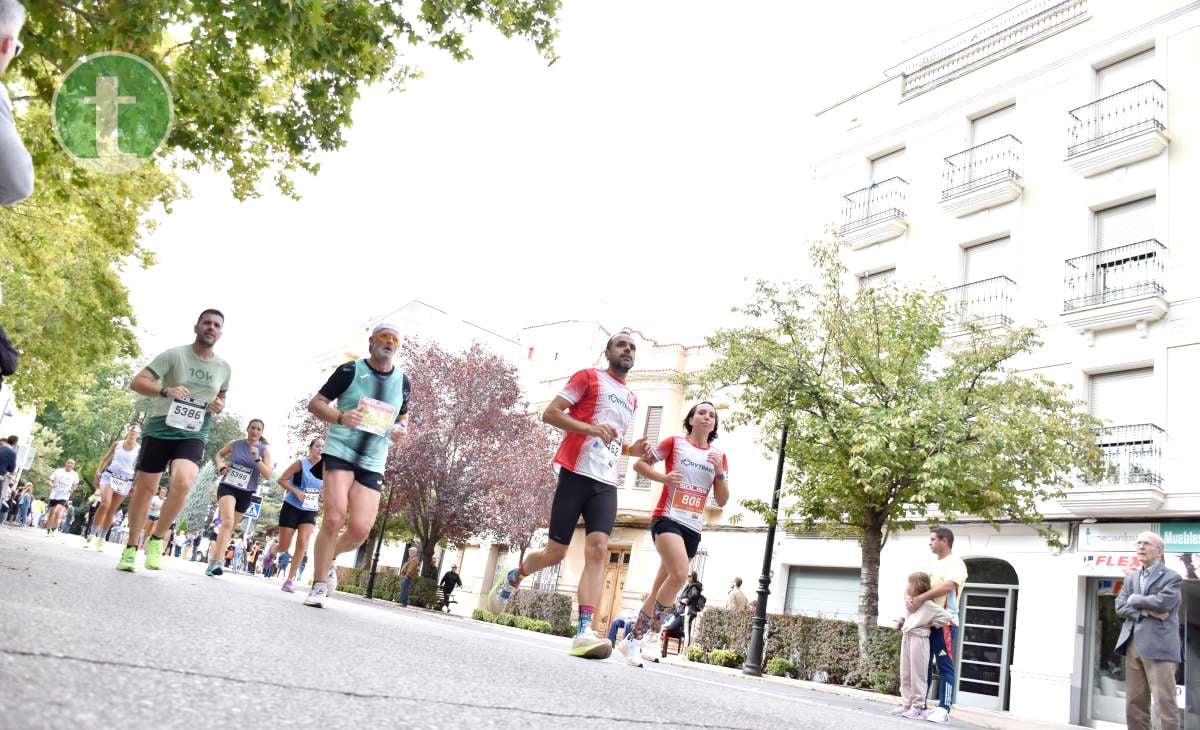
x=383 y=337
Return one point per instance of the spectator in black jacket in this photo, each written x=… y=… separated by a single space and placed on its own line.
x=450 y=581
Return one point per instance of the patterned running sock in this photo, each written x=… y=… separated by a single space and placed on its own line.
x=642 y=625
x=585 y=618
x=514 y=578
x=656 y=620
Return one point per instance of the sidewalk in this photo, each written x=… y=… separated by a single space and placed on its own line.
x=973 y=715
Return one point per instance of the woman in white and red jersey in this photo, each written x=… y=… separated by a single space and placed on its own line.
x=693 y=469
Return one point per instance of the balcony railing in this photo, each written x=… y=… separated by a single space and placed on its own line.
x=987 y=303
x=1132 y=454
x=1015 y=28
x=874 y=203
x=1127 y=113
x=1114 y=275
x=982 y=165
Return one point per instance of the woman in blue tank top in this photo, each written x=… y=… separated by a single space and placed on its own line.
x=240 y=464
x=298 y=515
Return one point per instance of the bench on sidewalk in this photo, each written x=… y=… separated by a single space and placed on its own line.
x=443 y=604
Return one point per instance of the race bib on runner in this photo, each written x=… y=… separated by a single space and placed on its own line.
x=312 y=498
x=378 y=416
x=604 y=456
x=238 y=476
x=687 y=505
x=119 y=485
x=186 y=414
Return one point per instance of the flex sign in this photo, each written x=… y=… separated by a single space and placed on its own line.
x=1106 y=562
x=1116 y=537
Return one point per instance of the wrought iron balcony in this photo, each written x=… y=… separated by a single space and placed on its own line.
x=1132 y=454
x=981 y=166
x=875 y=213
x=1135 y=112
x=987 y=303
x=1120 y=274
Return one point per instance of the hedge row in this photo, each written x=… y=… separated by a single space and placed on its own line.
x=553 y=608
x=422 y=593
x=508 y=619
x=818 y=649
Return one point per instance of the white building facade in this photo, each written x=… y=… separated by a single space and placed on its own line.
x=1042 y=169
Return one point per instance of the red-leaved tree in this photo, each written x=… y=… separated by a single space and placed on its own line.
x=469 y=440
x=519 y=505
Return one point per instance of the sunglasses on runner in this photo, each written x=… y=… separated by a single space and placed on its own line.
x=387 y=337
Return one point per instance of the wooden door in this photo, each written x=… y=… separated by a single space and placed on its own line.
x=609 y=607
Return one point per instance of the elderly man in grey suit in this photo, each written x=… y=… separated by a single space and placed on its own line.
x=1149 y=603
x=16 y=166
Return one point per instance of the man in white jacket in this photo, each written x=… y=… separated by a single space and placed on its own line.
x=16 y=166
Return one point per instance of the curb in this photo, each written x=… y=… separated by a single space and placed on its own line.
x=990 y=719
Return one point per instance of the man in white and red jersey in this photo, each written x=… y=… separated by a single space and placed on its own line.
x=594 y=409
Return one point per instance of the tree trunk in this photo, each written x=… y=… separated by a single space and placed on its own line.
x=868 y=586
x=428 y=544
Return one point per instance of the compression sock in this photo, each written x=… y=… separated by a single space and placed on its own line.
x=585 y=618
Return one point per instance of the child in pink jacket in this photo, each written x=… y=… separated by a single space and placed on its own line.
x=914 y=648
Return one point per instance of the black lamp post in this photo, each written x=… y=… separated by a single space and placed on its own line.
x=387 y=514
x=754 y=660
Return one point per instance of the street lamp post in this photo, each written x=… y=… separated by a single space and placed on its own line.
x=387 y=514
x=754 y=660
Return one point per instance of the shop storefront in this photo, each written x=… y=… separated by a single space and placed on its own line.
x=1108 y=552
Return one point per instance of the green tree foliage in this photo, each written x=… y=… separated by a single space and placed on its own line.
x=891 y=421
x=96 y=416
x=225 y=427
x=47 y=458
x=259 y=89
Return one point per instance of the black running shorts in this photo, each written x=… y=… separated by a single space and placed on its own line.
x=292 y=516
x=369 y=479
x=241 y=497
x=691 y=538
x=56 y=503
x=577 y=495
x=157 y=453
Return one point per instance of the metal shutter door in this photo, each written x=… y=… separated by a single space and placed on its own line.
x=1121 y=398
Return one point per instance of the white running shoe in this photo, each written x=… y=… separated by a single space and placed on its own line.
x=631 y=649
x=316 y=596
x=100 y=543
x=590 y=646
x=938 y=715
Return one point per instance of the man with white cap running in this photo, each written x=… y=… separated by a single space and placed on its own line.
x=366 y=404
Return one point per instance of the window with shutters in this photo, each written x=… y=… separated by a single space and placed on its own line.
x=986 y=260
x=827 y=592
x=1125 y=74
x=993 y=125
x=1130 y=222
x=1122 y=398
x=879 y=278
x=887 y=166
x=1129 y=440
x=653 y=426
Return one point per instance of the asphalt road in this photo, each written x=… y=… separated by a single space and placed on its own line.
x=85 y=646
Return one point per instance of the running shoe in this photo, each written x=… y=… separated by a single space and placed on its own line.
x=501 y=593
x=316 y=596
x=128 y=561
x=913 y=713
x=938 y=715
x=901 y=709
x=631 y=649
x=87 y=542
x=287 y=586
x=99 y=543
x=154 y=551
x=213 y=569
x=590 y=646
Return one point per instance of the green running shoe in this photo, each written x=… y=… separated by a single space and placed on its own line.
x=154 y=551
x=128 y=561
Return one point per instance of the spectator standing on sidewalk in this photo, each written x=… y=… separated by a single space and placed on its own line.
x=1149 y=640
x=914 y=647
x=947 y=576
x=737 y=601
x=409 y=571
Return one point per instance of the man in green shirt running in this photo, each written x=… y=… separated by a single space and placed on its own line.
x=187 y=385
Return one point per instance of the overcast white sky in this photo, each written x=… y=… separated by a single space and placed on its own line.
x=670 y=143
